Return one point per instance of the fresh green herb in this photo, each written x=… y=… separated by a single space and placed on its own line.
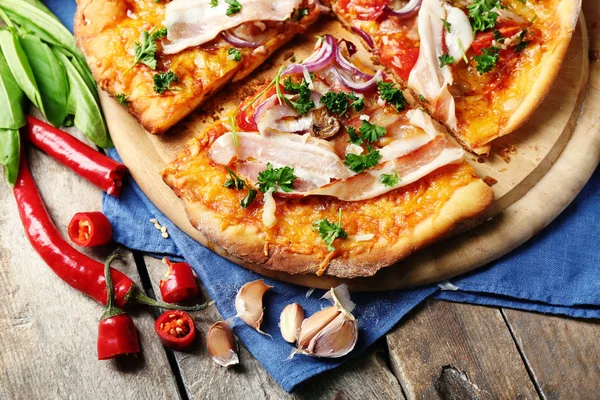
x=360 y=162
x=390 y=179
x=69 y=121
x=447 y=25
x=272 y=177
x=237 y=183
x=522 y=43
x=329 y=231
x=446 y=59
x=304 y=103
x=10 y=150
x=354 y=136
x=234 y=7
x=338 y=103
x=163 y=81
x=214 y=3
x=482 y=15
x=487 y=60
x=498 y=36
x=293 y=59
x=144 y=52
x=368 y=132
x=159 y=34
x=423 y=99
x=234 y=54
x=462 y=50
x=392 y=95
x=122 y=99
x=299 y=13
x=236 y=142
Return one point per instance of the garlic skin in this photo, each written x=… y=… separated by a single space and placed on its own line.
x=221 y=344
x=249 y=303
x=290 y=321
x=315 y=323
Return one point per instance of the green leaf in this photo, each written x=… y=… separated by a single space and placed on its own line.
x=329 y=231
x=163 y=81
x=10 y=148
x=446 y=59
x=19 y=66
x=487 y=60
x=392 y=95
x=82 y=103
x=50 y=76
x=11 y=98
x=390 y=179
x=234 y=7
x=272 y=177
x=82 y=68
x=481 y=14
x=360 y=162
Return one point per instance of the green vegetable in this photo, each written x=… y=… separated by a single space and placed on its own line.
x=234 y=54
x=235 y=182
x=392 y=95
x=338 y=103
x=482 y=15
x=144 y=52
x=329 y=231
x=368 y=132
x=163 y=81
x=122 y=99
x=50 y=76
x=360 y=162
x=298 y=14
x=82 y=68
x=214 y=3
x=11 y=98
x=390 y=179
x=304 y=103
x=272 y=177
x=10 y=147
x=19 y=66
x=447 y=25
x=446 y=59
x=522 y=43
x=82 y=103
x=487 y=60
x=158 y=34
x=234 y=7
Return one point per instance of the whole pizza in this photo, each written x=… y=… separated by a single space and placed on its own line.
x=335 y=166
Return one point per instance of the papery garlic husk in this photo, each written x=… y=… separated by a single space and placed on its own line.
x=249 y=303
x=315 y=323
x=336 y=340
x=290 y=321
x=339 y=296
x=221 y=344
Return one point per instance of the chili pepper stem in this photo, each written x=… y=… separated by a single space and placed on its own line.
x=137 y=297
x=111 y=309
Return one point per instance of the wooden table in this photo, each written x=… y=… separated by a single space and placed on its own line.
x=441 y=350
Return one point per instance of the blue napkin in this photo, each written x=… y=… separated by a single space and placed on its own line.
x=555 y=272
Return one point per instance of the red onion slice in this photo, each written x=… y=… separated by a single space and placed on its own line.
x=408 y=10
x=348 y=66
x=317 y=61
x=237 y=42
x=368 y=39
x=360 y=87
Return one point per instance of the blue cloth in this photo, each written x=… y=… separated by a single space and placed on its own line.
x=555 y=272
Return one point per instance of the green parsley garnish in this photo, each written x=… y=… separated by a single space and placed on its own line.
x=122 y=98
x=329 y=231
x=298 y=14
x=272 y=177
x=482 y=15
x=487 y=60
x=144 y=52
x=446 y=59
x=423 y=99
x=233 y=130
x=163 y=81
x=498 y=36
x=338 y=103
x=234 y=54
x=234 y=7
x=522 y=43
x=237 y=183
x=158 y=34
x=462 y=50
x=390 y=179
x=447 y=25
x=360 y=162
x=214 y=3
x=368 y=132
x=304 y=103
x=392 y=95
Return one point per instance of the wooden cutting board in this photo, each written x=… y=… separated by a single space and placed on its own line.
x=539 y=169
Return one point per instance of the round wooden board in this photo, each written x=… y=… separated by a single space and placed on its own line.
x=539 y=169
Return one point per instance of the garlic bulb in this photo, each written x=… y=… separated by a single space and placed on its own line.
x=221 y=344
x=290 y=320
x=249 y=303
x=333 y=331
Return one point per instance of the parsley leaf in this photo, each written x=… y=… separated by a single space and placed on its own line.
x=234 y=7
x=158 y=34
x=163 y=81
x=122 y=98
x=144 y=52
x=487 y=60
x=521 y=44
x=359 y=162
x=304 y=103
x=298 y=14
x=390 y=179
x=235 y=182
x=271 y=177
x=392 y=95
x=234 y=54
x=447 y=24
x=482 y=15
x=338 y=103
x=498 y=36
x=358 y=103
x=214 y=3
x=368 y=131
x=446 y=59
x=354 y=136
x=329 y=231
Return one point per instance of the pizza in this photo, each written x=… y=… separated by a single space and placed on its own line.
x=479 y=66
x=149 y=56
x=329 y=169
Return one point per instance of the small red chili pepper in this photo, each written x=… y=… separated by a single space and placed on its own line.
x=175 y=329
x=85 y=161
x=76 y=269
x=88 y=229
x=116 y=331
x=179 y=284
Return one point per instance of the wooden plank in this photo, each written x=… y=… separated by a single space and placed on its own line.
x=449 y=350
x=563 y=354
x=367 y=376
x=48 y=330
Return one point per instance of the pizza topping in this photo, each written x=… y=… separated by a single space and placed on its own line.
x=390 y=180
x=487 y=60
x=192 y=23
x=360 y=162
x=163 y=81
x=235 y=182
x=392 y=95
x=272 y=178
x=339 y=103
x=269 y=207
x=324 y=126
x=234 y=54
x=410 y=9
x=329 y=231
x=483 y=14
x=145 y=50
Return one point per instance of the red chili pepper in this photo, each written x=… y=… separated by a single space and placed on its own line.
x=73 y=267
x=175 y=329
x=88 y=229
x=179 y=284
x=116 y=331
x=85 y=161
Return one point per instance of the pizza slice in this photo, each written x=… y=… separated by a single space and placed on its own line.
x=479 y=66
x=162 y=59
x=327 y=170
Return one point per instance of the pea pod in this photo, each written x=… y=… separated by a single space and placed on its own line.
x=11 y=98
x=82 y=103
x=50 y=76
x=10 y=148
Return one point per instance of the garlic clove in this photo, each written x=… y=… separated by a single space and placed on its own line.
x=221 y=344
x=337 y=339
x=313 y=324
x=340 y=297
x=249 y=303
x=290 y=321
